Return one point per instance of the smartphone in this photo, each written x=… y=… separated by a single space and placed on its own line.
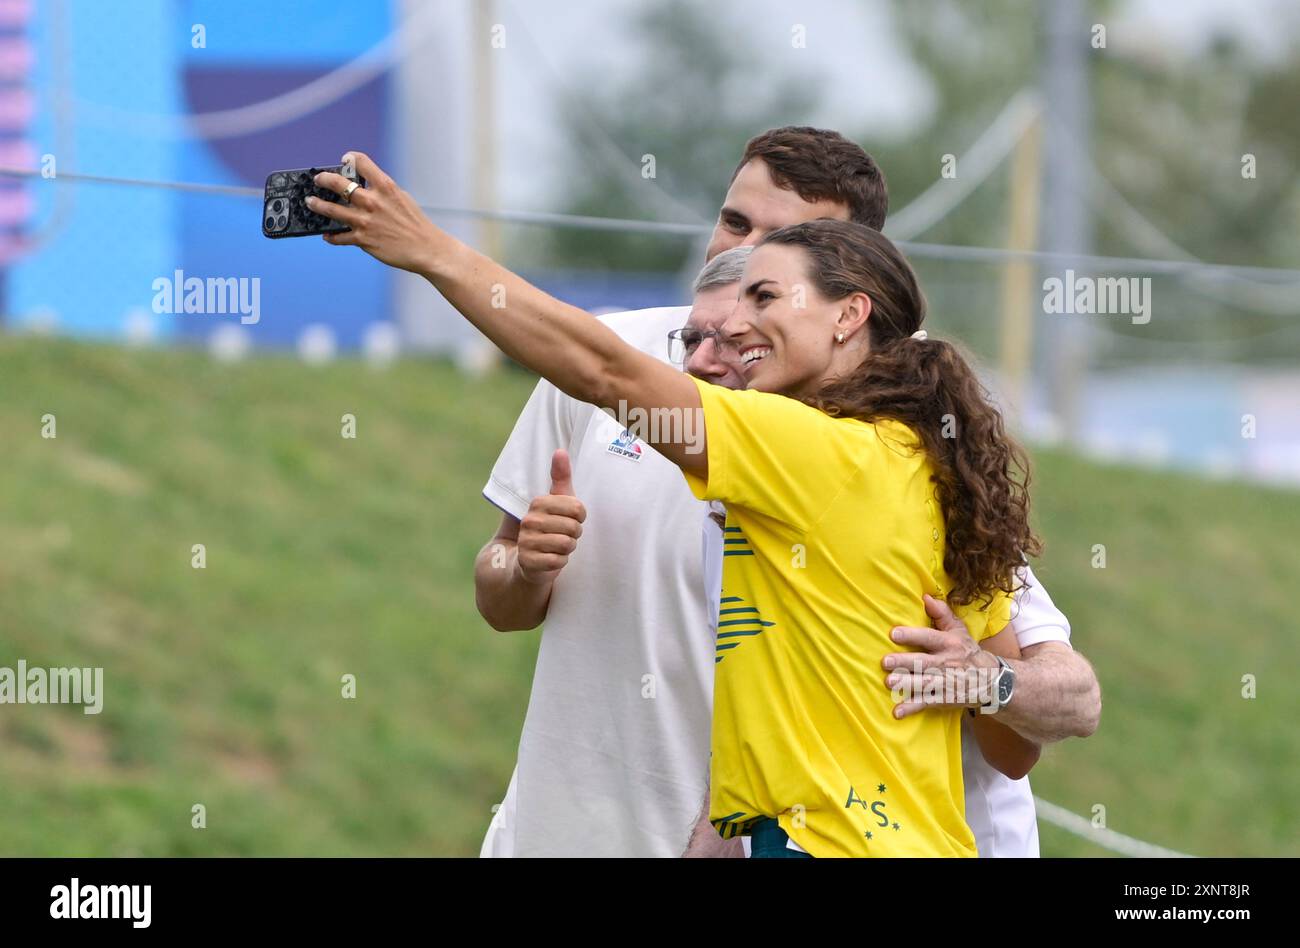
x=284 y=213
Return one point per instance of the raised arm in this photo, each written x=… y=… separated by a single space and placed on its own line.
x=577 y=353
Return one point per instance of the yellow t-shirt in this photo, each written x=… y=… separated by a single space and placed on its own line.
x=833 y=533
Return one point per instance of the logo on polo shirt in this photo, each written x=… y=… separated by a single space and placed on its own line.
x=626 y=445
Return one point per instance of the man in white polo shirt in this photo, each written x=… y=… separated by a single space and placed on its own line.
x=614 y=751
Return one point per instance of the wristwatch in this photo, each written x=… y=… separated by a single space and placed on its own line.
x=1002 y=688
x=1004 y=685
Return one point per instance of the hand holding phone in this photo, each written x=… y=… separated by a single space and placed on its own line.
x=283 y=212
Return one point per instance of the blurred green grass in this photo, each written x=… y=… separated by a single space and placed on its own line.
x=328 y=556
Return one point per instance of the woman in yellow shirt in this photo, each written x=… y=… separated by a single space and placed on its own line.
x=863 y=467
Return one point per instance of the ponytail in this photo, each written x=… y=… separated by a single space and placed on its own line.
x=981 y=473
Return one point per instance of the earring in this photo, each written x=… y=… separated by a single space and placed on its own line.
x=839 y=337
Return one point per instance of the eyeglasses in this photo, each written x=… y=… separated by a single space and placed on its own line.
x=682 y=344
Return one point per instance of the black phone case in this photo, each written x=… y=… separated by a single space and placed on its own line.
x=283 y=212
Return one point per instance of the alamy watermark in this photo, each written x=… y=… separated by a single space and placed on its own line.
x=83 y=900
x=215 y=295
x=662 y=425
x=1099 y=296
x=24 y=685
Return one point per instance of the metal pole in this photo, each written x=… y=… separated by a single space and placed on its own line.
x=484 y=92
x=1066 y=226
x=1018 y=295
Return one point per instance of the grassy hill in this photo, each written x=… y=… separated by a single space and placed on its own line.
x=328 y=556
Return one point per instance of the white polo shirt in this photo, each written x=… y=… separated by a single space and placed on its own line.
x=613 y=759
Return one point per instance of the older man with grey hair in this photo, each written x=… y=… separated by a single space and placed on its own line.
x=698 y=346
x=723 y=270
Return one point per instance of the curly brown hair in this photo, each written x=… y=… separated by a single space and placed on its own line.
x=981 y=473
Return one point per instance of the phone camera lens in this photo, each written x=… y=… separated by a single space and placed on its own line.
x=270 y=223
x=277 y=205
x=281 y=221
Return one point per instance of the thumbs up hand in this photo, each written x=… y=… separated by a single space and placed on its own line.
x=549 y=532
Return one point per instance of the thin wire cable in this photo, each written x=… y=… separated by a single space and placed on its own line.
x=919 y=215
x=922 y=213
x=950 y=252
x=616 y=159
x=971 y=254
x=333 y=85
x=1273 y=299
x=1227 y=285
x=980 y=160
x=931 y=206
x=1105 y=838
x=285 y=107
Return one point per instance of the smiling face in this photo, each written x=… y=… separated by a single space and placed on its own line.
x=755 y=206
x=709 y=361
x=785 y=330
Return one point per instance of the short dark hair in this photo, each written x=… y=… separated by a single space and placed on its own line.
x=821 y=165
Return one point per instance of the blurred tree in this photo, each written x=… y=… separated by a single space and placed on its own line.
x=1170 y=132
x=975 y=57
x=682 y=104
x=1170 y=129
